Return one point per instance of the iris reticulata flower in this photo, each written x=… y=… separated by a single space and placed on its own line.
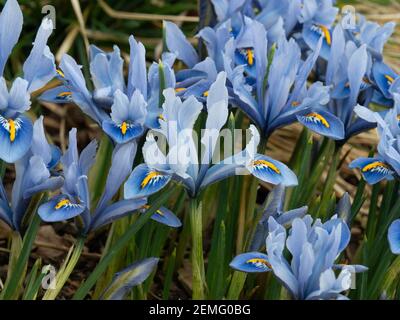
x=314 y=247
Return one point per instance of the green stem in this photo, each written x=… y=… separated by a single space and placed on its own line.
x=119 y=245
x=196 y=223
x=329 y=185
x=66 y=269
x=16 y=246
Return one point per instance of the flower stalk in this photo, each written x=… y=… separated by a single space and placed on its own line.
x=196 y=223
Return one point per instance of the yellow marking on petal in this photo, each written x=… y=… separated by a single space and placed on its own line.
x=151 y=175
x=259 y=260
x=250 y=57
x=398 y=117
x=179 y=89
x=327 y=34
x=124 y=127
x=11 y=129
x=295 y=104
x=266 y=164
x=161 y=117
x=320 y=118
x=59 y=71
x=64 y=94
x=374 y=165
x=389 y=78
x=62 y=203
x=147 y=207
x=206 y=93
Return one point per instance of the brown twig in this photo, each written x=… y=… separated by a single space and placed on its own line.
x=144 y=16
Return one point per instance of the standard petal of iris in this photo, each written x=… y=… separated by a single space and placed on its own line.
x=179 y=45
x=271 y=171
x=59 y=209
x=15 y=138
x=323 y=123
x=372 y=169
x=122 y=133
x=394 y=236
x=10 y=29
x=251 y=262
x=144 y=181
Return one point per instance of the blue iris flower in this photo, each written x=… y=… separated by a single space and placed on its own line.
x=75 y=199
x=282 y=96
x=314 y=248
x=317 y=17
x=123 y=110
x=182 y=162
x=39 y=68
x=34 y=174
x=386 y=165
x=349 y=75
x=197 y=80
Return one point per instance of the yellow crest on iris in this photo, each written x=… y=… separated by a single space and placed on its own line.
x=62 y=203
x=259 y=261
x=149 y=177
x=124 y=127
x=11 y=129
x=326 y=33
x=319 y=118
x=390 y=79
x=375 y=165
x=266 y=164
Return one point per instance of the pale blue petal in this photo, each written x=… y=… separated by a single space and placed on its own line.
x=11 y=20
x=179 y=45
x=394 y=236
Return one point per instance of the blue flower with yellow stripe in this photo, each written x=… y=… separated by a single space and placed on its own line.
x=373 y=170
x=314 y=247
x=183 y=164
x=34 y=174
x=127 y=117
x=123 y=108
x=386 y=166
x=74 y=199
x=282 y=96
x=317 y=18
x=39 y=68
